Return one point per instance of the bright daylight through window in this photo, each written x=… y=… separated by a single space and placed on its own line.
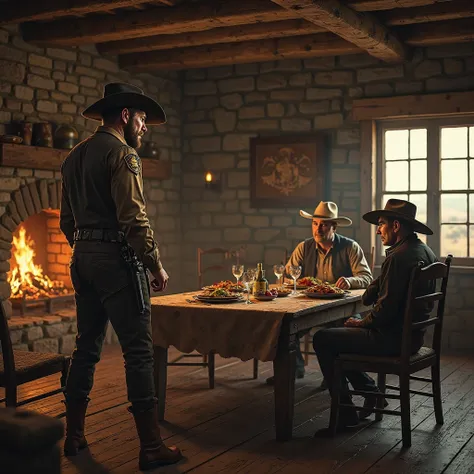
x=431 y=163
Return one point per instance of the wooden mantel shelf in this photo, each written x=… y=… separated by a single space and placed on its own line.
x=24 y=156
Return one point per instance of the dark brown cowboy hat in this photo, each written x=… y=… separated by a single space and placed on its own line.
x=400 y=210
x=117 y=94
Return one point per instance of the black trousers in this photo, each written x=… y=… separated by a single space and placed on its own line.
x=329 y=343
x=104 y=292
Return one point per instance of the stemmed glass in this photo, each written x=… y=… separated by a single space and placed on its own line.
x=278 y=270
x=295 y=272
x=247 y=279
x=237 y=271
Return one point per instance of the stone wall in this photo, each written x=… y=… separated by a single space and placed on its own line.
x=223 y=107
x=55 y=85
x=44 y=333
x=59 y=251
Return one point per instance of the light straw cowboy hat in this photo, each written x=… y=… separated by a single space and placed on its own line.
x=400 y=210
x=327 y=211
x=118 y=94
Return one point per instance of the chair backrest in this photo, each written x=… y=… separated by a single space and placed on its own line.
x=422 y=278
x=227 y=255
x=7 y=350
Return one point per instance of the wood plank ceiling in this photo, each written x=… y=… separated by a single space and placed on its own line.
x=150 y=35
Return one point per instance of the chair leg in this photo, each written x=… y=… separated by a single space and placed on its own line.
x=210 y=368
x=10 y=395
x=306 y=348
x=255 y=368
x=335 y=399
x=405 y=409
x=381 y=381
x=436 y=387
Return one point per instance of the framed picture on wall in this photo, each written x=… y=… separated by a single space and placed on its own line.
x=288 y=171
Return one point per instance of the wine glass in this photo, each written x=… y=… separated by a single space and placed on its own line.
x=237 y=271
x=295 y=272
x=278 y=270
x=248 y=278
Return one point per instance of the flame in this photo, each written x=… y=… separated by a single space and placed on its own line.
x=27 y=279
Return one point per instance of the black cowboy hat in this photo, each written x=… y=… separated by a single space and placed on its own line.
x=117 y=94
x=400 y=210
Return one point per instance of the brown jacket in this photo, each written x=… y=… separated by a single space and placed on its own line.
x=102 y=188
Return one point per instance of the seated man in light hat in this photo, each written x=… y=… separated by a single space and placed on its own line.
x=330 y=257
x=379 y=332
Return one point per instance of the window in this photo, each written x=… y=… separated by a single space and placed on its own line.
x=431 y=163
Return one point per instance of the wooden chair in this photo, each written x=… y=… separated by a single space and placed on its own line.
x=208 y=360
x=407 y=363
x=226 y=254
x=19 y=367
x=307 y=337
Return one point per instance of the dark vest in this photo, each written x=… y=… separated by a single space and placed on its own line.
x=341 y=265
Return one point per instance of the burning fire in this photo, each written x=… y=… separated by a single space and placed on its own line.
x=27 y=279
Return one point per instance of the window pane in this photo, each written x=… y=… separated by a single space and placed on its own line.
x=454 y=240
x=453 y=208
x=453 y=174
x=471 y=208
x=471 y=240
x=420 y=201
x=471 y=142
x=396 y=144
x=471 y=174
x=396 y=176
x=418 y=175
x=454 y=142
x=418 y=144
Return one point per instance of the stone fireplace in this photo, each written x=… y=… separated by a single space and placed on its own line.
x=33 y=203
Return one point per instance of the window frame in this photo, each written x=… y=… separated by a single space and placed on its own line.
x=433 y=192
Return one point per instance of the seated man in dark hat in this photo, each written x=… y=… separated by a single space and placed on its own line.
x=330 y=257
x=379 y=332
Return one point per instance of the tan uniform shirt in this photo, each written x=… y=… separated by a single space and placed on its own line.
x=102 y=188
x=362 y=276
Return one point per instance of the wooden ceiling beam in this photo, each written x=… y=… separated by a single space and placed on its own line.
x=363 y=30
x=35 y=10
x=426 y=14
x=378 y=5
x=183 y=19
x=230 y=34
x=324 y=44
x=441 y=32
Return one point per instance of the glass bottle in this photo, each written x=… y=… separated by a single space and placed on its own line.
x=261 y=284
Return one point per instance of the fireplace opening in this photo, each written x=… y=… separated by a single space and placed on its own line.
x=39 y=265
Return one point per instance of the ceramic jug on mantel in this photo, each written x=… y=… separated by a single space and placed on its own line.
x=43 y=134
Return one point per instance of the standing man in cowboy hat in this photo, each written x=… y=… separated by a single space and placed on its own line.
x=379 y=332
x=104 y=219
x=330 y=257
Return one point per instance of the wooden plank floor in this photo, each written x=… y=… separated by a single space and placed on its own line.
x=230 y=429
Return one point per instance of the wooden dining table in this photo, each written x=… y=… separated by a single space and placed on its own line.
x=263 y=330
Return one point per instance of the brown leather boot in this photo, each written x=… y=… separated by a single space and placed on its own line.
x=153 y=453
x=75 y=420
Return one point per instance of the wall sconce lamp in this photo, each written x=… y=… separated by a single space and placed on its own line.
x=212 y=183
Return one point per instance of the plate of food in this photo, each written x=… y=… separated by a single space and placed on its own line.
x=303 y=283
x=281 y=293
x=227 y=285
x=269 y=295
x=325 y=291
x=219 y=295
